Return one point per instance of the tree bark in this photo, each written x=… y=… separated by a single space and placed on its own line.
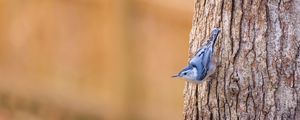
x=258 y=62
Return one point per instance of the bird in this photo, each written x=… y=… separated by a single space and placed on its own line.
x=202 y=64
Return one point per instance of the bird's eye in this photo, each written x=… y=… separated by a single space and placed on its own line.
x=184 y=73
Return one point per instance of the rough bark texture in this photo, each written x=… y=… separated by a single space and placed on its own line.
x=258 y=73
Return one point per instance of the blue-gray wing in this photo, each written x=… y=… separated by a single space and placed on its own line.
x=201 y=62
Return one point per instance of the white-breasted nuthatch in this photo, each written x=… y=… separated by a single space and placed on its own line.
x=202 y=65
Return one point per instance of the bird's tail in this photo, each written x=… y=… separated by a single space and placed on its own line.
x=214 y=35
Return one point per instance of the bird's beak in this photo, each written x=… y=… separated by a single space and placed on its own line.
x=174 y=76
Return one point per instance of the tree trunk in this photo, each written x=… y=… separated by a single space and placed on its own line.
x=258 y=72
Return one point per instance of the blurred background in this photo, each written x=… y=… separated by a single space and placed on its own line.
x=93 y=59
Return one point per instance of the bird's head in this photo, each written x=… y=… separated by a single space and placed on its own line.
x=189 y=73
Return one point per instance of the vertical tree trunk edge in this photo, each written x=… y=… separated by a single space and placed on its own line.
x=258 y=54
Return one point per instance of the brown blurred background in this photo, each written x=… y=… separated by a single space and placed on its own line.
x=92 y=59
